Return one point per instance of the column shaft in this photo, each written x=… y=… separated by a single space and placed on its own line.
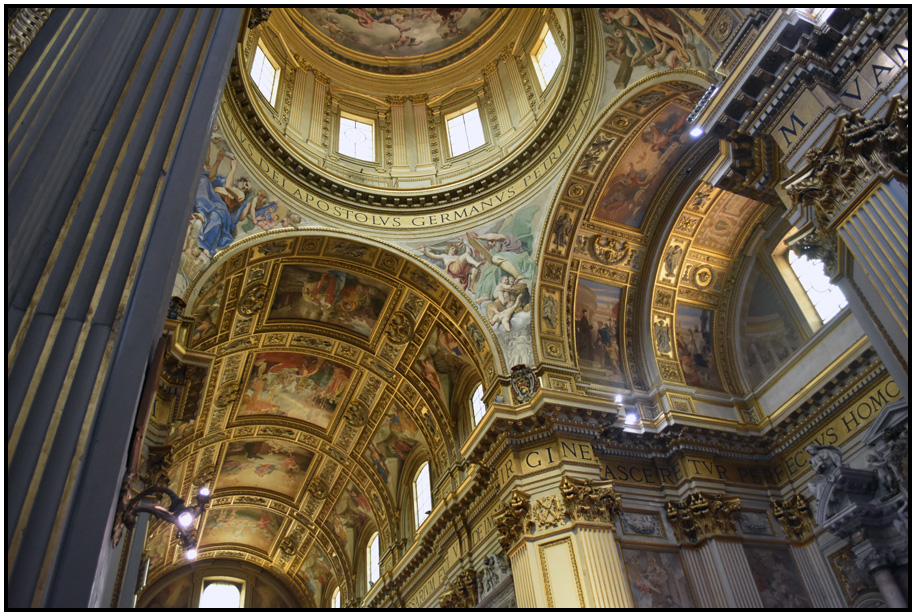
x=106 y=149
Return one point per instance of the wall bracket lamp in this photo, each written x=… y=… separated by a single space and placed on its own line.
x=177 y=513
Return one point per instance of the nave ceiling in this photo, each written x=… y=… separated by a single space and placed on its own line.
x=320 y=355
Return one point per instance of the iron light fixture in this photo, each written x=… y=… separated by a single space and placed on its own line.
x=177 y=513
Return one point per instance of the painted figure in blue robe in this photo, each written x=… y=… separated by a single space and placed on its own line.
x=219 y=205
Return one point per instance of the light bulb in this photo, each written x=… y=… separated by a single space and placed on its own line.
x=696 y=131
x=632 y=418
x=204 y=491
x=185 y=519
x=191 y=554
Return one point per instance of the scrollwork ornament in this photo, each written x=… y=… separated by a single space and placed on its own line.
x=400 y=327
x=253 y=300
x=794 y=515
x=608 y=251
x=357 y=414
x=318 y=489
x=22 y=24
x=228 y=394
x=701 y=515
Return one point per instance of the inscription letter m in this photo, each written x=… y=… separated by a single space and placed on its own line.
x=791 y=130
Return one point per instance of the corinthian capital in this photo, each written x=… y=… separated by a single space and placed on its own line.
x=514 y=519
x=590 y=501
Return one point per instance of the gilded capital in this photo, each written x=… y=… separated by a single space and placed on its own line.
x=794 y=517
x=462 y=594
x=513 y=520
x=490 y=68
x=590 y=501
x=418 y=99
x=395 y=99
x=701 y=515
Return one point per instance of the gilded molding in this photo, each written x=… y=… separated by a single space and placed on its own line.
x=794 y=517
x=591 y=501
x=701 y=515
x=21 y=27
x=513 y=519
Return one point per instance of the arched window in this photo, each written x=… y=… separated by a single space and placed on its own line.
x=372 y=561
x=465 y=131
x=221 y=594
x=335 y=599
x=547 y=57
x=422 y=495
x=478 y=408
x=265 y=74
x=827 y=298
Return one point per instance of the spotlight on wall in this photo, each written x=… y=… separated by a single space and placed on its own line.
x=632 y=418
x=177 y=513
x=696 y=131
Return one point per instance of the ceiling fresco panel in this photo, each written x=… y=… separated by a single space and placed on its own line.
x=295 y=385
x=255 y=528
x=598 y=307
x=265 y=465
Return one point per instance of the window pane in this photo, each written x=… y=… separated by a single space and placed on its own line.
x=479 y=408
x=828 y=299
x=548 y=58
x=356 y=139
x=373 y=560
x=221 y=595
x=263 y=73
x=465 y=132
x=423 y=502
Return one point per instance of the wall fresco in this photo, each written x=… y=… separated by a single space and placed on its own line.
x=494 y=265
x=777 y=578
x=228 y=206
x=175 y=595
x=695 y=347
x=598 y=332
x=768 y=334
x=350 y=517
x=629 y=191
x=644 y=39
x=657 y=579
x=295 y=385
x=396 y=437
x=318 y=578
x=329 y=296
x=440 y=362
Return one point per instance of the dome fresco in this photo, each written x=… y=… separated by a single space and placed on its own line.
x=396 y=32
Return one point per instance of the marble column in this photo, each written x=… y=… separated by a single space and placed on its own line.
x=850 y=202
x=109 y=115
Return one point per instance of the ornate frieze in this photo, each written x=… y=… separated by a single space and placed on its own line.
x=514 y=519
x=701 y=515
x=794 y=516
x=590 y=501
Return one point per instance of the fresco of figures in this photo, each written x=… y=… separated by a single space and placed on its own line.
x=265 y=597
x=391 y=445
x=657 y=579
x=694 y=347
x=228 y=206
x=644 y=39
x=494 y=266
x=636 y=178
x=246 y=526
x=769 y=335
x=597 y=332
x=351 y=515
x=777 y=578
x=295 y=385
x=266 y=464
x=397 y=32
x=317 y=577
x=206 y=309
x=329 y=296
x=439 y=363
x=175 y=595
